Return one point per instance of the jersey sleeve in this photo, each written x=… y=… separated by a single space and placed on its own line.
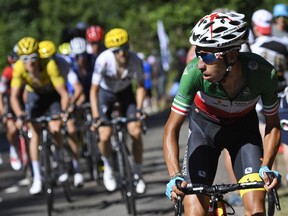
x=269 y=95
x=54 y=74
x=98 y=69
x=18 y=70
x=5 y=79
x=139 y=70
x=190 y=83
x=72 y=77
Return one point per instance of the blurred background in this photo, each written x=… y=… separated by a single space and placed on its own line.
x=59 y=20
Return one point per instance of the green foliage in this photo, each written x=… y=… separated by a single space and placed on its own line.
x=46 y=19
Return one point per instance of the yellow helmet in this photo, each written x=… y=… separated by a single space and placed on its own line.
x=46 y=49
x=116 y=37
x=65 y=48
x=27 y=45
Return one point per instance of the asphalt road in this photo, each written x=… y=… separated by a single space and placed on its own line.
x=93 y=199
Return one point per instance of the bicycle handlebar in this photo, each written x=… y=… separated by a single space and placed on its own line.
x=220 y=189
x=123 y=121
x=217 y=188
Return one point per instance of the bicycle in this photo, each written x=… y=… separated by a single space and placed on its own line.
x=51 y=162
x=216 y=192
x=23 y=147
x=66 y=161
x=123 y=166
x=92 y=152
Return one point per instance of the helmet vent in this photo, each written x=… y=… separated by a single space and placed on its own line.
x=235 y=22
x=208 y=25
x=219 y=30
x=205 y=41
x=227 y=37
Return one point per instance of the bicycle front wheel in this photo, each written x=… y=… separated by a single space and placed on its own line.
x=127 y=180
x=47 y=174
x=270 y=204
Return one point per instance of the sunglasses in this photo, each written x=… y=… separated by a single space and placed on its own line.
x=29 y=58
x=123 y=48
x=208 y=58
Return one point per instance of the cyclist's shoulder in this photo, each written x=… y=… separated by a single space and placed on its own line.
x=19 y=68
x=254 y=63
x=7 y=72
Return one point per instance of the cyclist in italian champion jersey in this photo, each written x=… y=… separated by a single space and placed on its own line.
x=114 y=71
x=46 y=92
x=218 y=91
x=47 y=50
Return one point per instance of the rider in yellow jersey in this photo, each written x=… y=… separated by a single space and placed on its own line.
x=47 y=50
x=45 y=92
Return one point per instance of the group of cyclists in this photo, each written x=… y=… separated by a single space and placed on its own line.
x=43 y=79
x=218 y=91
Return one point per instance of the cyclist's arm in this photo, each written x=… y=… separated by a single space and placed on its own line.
x=2 y=107
x=14 y=100
x=140 y=95
x=78 y=92
x=271 y=139
x=94 y=100
x=58 y=83
x=170 y=142
x=61 y=89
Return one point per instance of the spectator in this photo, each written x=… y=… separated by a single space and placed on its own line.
x=280 y=25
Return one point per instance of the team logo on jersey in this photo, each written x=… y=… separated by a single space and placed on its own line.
x=185 y=72
x=246 y=91
x=253 y=65
x=202 y=173
x=248 y=170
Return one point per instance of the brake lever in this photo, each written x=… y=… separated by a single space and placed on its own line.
x=271 y=176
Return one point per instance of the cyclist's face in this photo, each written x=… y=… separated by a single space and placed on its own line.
x=211 y=64
x=95 y=48
x=30 y=62
x=121 y=53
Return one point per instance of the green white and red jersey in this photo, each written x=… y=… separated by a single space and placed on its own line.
x=211 y=99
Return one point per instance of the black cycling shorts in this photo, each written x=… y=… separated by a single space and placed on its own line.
x=107 y=99
x=207 y=139
x=40 y=104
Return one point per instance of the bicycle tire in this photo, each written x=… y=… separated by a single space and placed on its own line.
x=127 y=179
x=25 y=159
x=270 y=204
x=97 y=164
x=68 y=167
x=88 y=152
x=47 y=171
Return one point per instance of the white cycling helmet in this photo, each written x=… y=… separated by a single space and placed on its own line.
x=220 y=30
x=78 y=45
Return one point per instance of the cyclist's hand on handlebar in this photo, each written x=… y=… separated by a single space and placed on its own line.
x=271 y=178
x=64 y=115
x=96 y=122
x=140 y=114
x=71 y=108
x=172 y=192
x=20 y=121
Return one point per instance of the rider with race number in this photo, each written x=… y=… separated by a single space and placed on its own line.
x=114 y=71
x=218 y=91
